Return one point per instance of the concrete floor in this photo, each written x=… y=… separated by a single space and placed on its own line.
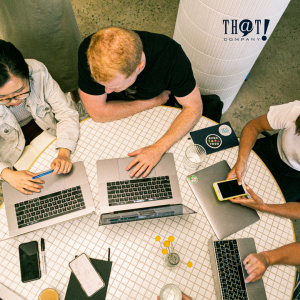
x=274 y=79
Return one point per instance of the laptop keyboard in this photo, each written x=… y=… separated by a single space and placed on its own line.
x=48 y=207
x=139 y=190
x=230 y=270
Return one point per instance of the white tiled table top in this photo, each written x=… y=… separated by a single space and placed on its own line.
x=138 y=271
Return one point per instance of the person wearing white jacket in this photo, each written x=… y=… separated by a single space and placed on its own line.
x=32 y=102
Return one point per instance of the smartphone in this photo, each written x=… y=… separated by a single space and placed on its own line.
x=228 y=189
x=29 y=261
x=89 y=279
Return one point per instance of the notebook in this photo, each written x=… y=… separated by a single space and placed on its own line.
x=215 y=138
x=74 y=290
x=33 y=150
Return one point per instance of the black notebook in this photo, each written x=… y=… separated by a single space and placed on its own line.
x=215 y=138
x=75 y=291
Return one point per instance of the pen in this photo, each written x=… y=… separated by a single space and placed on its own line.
x=43 y=174
x=43 y=254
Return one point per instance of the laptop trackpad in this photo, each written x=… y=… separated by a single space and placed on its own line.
x=53 y=183
x=124 y=175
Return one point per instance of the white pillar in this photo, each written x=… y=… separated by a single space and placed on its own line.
x=220 y=66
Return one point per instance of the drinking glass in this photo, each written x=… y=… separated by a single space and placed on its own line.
x=194 y=156
x=49 y=294
x=170 y=292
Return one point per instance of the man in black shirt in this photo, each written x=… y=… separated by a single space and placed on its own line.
x=123 y=72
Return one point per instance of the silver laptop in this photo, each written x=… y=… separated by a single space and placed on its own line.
x=229 y=272
x=125 y=199
x=64 y=197
x=7 y=294
x=225 y=217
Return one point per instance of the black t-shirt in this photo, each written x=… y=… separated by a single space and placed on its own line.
x=167 y=68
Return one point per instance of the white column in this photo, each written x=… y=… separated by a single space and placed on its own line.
x=221 y=61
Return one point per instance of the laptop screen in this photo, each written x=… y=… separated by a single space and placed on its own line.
x=145 y=214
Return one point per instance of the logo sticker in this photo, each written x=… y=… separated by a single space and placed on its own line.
x=193 y=179
x=225 y=130
x=213 y=141
x=235 y=28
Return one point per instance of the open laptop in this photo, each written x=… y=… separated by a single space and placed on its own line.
x=125 y=199
x=7 y=294
x=64 y=197
x=225 y=217
x=229 y=272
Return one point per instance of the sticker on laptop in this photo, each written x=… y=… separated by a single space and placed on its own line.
x=225 y=130
x=193 y=179
x=213 y=141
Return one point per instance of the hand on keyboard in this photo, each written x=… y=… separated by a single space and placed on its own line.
x=256 y=265
x=22 y=181
x=145 y=160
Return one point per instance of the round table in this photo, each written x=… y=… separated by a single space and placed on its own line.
x=138 y=271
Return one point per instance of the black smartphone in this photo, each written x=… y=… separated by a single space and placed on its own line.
x=29 y=261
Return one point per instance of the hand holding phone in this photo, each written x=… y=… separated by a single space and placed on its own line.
x=89 y=279
x=228 y=189
x=29 y=261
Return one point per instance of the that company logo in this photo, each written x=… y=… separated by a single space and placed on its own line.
x=245 y=26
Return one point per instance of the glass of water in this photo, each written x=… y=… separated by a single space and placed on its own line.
x=172 y=260
x=194 y=156
x=170 y=292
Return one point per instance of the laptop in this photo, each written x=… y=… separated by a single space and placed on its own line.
x=125 y=199
x=7 y=294
x=219 y=213
x=64 y=197
x=229 y=272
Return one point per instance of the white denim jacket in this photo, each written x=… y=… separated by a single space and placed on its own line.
x=50 y=109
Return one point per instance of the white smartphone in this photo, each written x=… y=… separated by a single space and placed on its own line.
x=228 y=189
x=89 y=279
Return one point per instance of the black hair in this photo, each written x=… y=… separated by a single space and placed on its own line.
x=12 y=62
x=298 y=126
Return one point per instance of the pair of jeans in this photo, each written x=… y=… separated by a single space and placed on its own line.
x=287 y=178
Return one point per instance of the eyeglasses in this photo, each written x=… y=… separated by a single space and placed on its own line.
x=18 y=97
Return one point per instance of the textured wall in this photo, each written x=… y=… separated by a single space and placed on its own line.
x=222 y=61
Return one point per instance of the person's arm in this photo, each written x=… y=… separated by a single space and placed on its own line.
x=257 y=263
x=147 y=157
x=101 y=110
x=62 y=163
x=287 y=210
x=67 y=127
x=248 y=138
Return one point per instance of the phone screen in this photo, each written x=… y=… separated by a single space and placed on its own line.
x=87 y=275
x=29 y=261
x=230 y=189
